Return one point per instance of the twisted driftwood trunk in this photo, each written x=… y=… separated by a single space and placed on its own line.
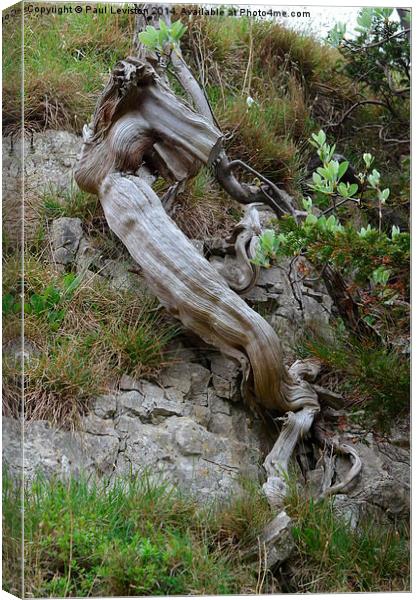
x=140 y=128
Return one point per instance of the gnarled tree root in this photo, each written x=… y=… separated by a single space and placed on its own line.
x=139 y=123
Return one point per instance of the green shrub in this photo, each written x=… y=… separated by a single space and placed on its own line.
x=376 y=379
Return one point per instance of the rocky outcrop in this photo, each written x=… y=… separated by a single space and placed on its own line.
x=66 y=235
x=179 y=431
x=48 y=162
x=191 y=427
x=190 y=430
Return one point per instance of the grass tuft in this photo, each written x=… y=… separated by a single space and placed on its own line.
x=133 y=538
x=375 y=378
x=84 y=335
x=332 y=557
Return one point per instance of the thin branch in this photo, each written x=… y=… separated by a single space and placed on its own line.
x=352 y=108
x=384 y=41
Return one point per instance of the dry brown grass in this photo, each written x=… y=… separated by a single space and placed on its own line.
x=67 y=59
x=81 y=344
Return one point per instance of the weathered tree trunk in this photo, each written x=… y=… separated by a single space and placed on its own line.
x=138 y=122
x=140 y=127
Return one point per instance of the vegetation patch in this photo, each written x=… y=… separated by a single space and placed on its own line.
x=85 y=335
x=374 y=379
x=133 y=538
x=137 y=538
x=332 y=557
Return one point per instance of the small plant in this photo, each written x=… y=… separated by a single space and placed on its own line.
x=370 y=257
x=163 y=39
x=327 y=180
x=378 y=55
x=376 y=379
x=134 y=537
x=331 y=556
x=48 y=304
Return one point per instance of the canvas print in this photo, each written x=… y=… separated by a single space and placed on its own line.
x=206 y=299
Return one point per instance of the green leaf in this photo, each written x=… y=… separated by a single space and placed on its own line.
x=364 y=19
x=51 y=295
x=395 y=232
x=343 y=190
x=163 y=27
x=71 y=282
x=321 y=137
x=331 y=222
x=380 y=276
x=178 y=30
x=368 y=159
x=316 y=178
x=333 y=169
x=8 y=301
x=343 y=167
x=308 y=203
x=385 y=194
x=149 y=38
x=267 y=240
x=311 y=219
x=353 y=188
x=38 y=303
x=374 y=178
x=162 y=38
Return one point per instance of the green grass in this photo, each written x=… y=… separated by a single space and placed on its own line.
x=331 y=557
x=76 y=52
x=375 y=378
x=86 y=335
x=136 y=538
x=71 y=202
x=132 y=538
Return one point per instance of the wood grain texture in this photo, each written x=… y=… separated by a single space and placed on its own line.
x=140 y=130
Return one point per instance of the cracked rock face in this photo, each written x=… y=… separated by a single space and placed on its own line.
x=191 y=428
x=179 y=431
x=49 y=159
x=290 y=298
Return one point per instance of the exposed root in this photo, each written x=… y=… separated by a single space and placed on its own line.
x=166 y=136
x=296 y=427
x=240 y=273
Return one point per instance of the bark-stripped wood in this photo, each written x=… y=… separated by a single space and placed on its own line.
x=139 y=128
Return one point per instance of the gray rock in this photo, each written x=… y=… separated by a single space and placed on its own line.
x=58 y=453
x=218 y=405
x=127 y=383
x=149 y=403
x=133 y=403
x=121 y=276
x=191 y=379
x=19 y=352
x=277 y=541
x=226 y=372
x=290 y=302
x=47 y=165
x=385 y=477
x=105 y=406
x=66 y=235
